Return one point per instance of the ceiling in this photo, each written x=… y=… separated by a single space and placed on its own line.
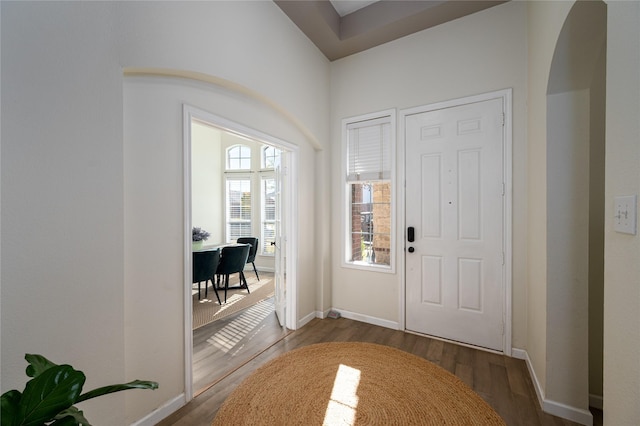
x=345 y=7
x=341 y=28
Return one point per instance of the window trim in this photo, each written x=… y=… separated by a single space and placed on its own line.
x=347 y=123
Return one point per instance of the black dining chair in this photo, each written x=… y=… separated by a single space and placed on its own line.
x=252 y=252
x=205 y=264
x=232 y=260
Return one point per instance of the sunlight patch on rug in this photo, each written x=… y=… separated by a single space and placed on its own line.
x=342 y=406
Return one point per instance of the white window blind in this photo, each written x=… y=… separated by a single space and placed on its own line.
x=238 y=208
x=369 y=150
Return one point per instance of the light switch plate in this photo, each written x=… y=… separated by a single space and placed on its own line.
x=624 y=214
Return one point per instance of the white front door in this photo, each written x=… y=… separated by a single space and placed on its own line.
x=454 y=193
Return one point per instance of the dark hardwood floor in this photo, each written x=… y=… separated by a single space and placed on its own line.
x=502 y=381
x=223 y=345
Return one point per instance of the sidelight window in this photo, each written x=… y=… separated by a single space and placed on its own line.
x=368 y=144
x=238 y=208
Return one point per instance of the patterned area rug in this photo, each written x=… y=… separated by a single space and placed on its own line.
x=351 y=383
x=207 y=308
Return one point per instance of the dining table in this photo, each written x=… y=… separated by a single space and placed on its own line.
x=216 y=246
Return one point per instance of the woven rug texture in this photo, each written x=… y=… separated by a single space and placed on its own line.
x=207 y=309
x=349 y=383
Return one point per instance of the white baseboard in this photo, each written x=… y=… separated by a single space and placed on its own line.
x=578 y=415
x=162 y=412
x=369 y=320
x=519 y=353
x=596 y=401
x=522 y=354
x=322 y=314
x=304 y=320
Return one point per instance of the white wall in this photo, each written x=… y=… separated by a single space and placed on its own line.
x=102 y=212
x=476 y=54
x=62 y=195
x=544 y=23
x=250 y=43
x=207 y=165
x=154 y=274
x=568 y=248
x=597 y=155
x=622 y=269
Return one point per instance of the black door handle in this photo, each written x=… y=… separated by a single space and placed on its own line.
x=411 y=234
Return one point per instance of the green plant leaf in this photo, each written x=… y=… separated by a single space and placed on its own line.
x=67 y=421
x=53 y=390
x=10 y=403
x=49 y=396
x=37 y=364
x=71 y=417
x=136 y=384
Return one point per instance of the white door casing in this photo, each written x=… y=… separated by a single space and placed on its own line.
x=455 y=192
x=288 y=231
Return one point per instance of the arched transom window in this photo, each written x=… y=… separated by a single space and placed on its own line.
x=239 y=157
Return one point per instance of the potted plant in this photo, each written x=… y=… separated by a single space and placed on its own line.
x=49 y=397
x=198 y=236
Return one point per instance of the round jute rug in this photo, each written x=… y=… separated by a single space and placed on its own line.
x=353 y=384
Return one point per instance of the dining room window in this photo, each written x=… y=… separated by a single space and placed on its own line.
x=270 y=157
x=268 y=224
x=368 y=146
x=269 y=164
x=238 y=192
x=239 y=157
x=251 y=194
x=238 y=196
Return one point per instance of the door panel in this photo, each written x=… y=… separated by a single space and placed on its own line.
x=454 y=280
x=280 y=268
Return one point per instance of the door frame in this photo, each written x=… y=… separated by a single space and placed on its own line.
x=507 y=201
x=289 y=209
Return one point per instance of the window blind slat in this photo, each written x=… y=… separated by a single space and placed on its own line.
x=369 y=151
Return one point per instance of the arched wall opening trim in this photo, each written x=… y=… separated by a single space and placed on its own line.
x=229 y=85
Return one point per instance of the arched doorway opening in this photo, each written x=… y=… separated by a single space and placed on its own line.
x=575 y=208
